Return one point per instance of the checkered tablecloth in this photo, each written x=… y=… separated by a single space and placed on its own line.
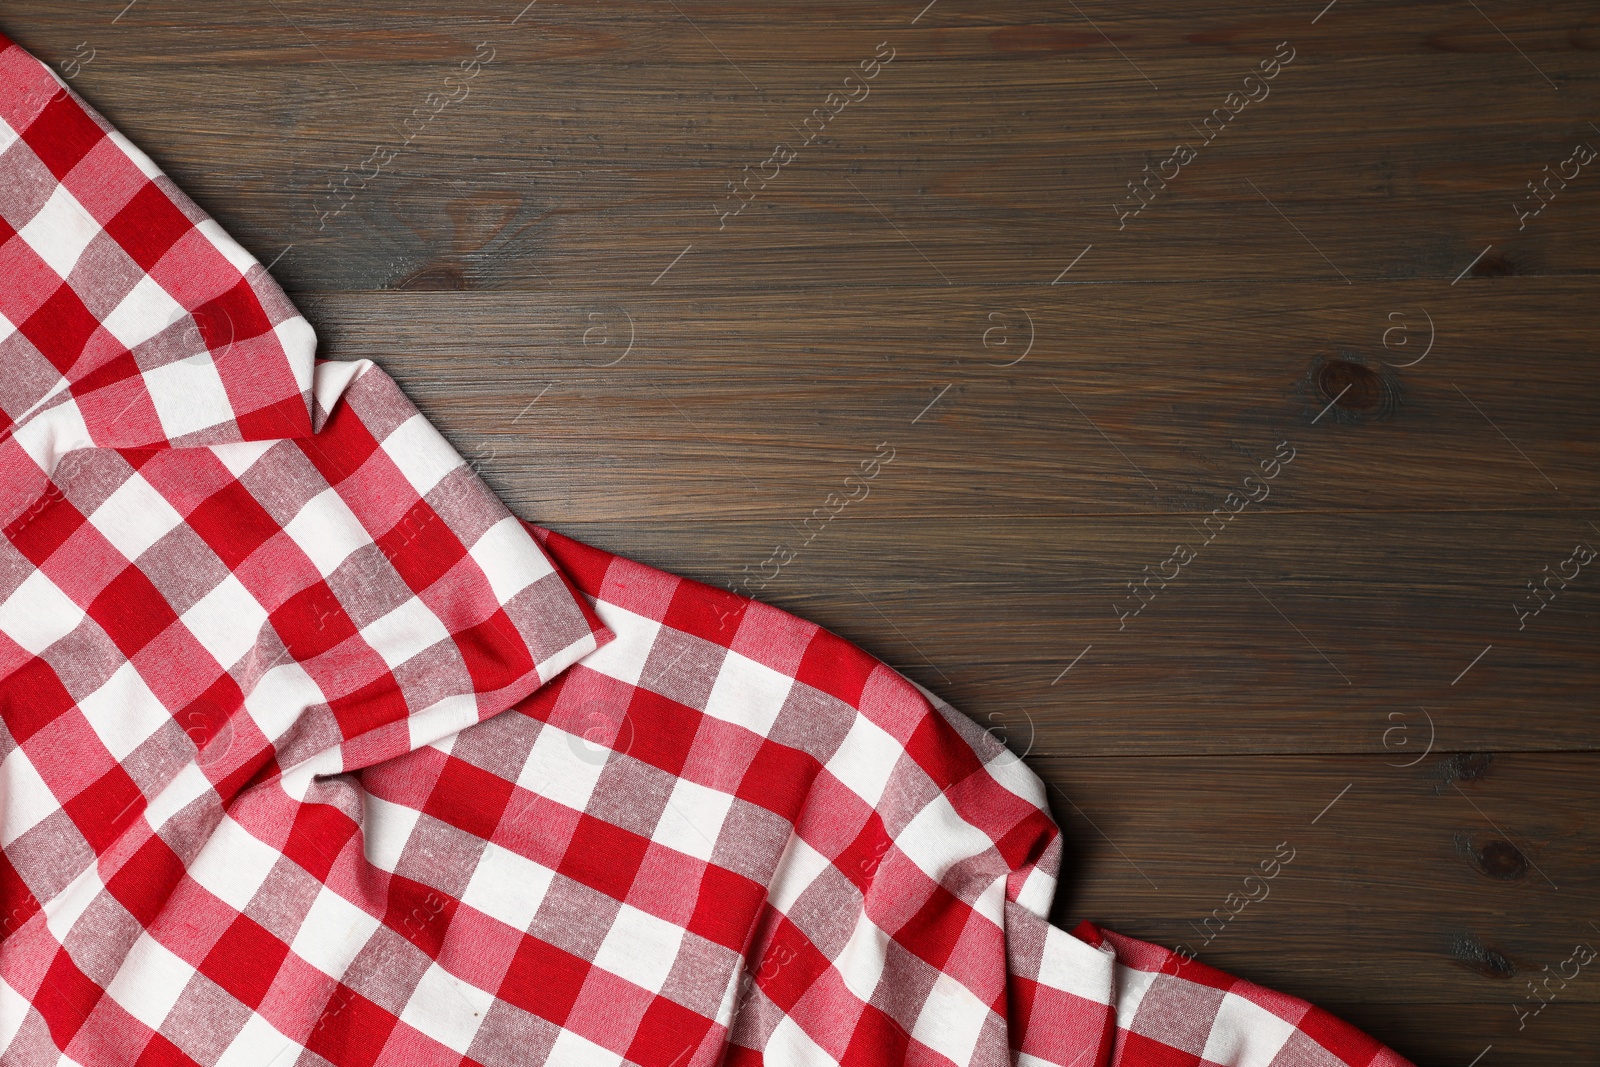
x=314 y=754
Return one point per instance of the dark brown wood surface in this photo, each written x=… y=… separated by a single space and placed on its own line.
x=1349 y=666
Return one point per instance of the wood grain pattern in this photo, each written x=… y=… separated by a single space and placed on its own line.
x=1353 y=265
x=1481 y=860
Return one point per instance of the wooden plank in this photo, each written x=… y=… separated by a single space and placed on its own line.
x=1416 y=901
x=641 y=126
x=1299 y=633
x=762 y=402
x=565 y=163
x=1562 y=1033
x=1466 y=871
x=628 y=31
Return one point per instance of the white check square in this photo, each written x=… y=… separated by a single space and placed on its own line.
x=234 y=864
x=226 y=621
x=60 y=231
x=509 y=559
x=692 y=820
x=150 y=981
x=640 y=948
x=281 y=697
x=562 y=767
x=188 y=395
x=327 y=531
x=124 y=712
x=258 y=1044
x=938 y=838
x=572 y=1050
x=28 y=800
x=147 y=310
x=1246 y=1034
x=333 y=931
x=38 y=614
x=508 y=887
x=135 y=517
x=422 y=455
x=446 y=1008
x=624 y=658
x=748 y=694
x=862 y=960
x=405 y=632
x=387 y=827
x=951 y=1020
x=866 y=759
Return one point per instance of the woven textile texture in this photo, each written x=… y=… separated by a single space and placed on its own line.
x=312 y=753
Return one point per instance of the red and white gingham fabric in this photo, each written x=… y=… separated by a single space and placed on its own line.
x=313 y=754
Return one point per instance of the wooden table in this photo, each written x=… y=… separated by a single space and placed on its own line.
x=668 y=272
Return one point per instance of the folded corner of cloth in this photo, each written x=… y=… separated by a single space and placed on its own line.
x=129 y=318
x=313 y=753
